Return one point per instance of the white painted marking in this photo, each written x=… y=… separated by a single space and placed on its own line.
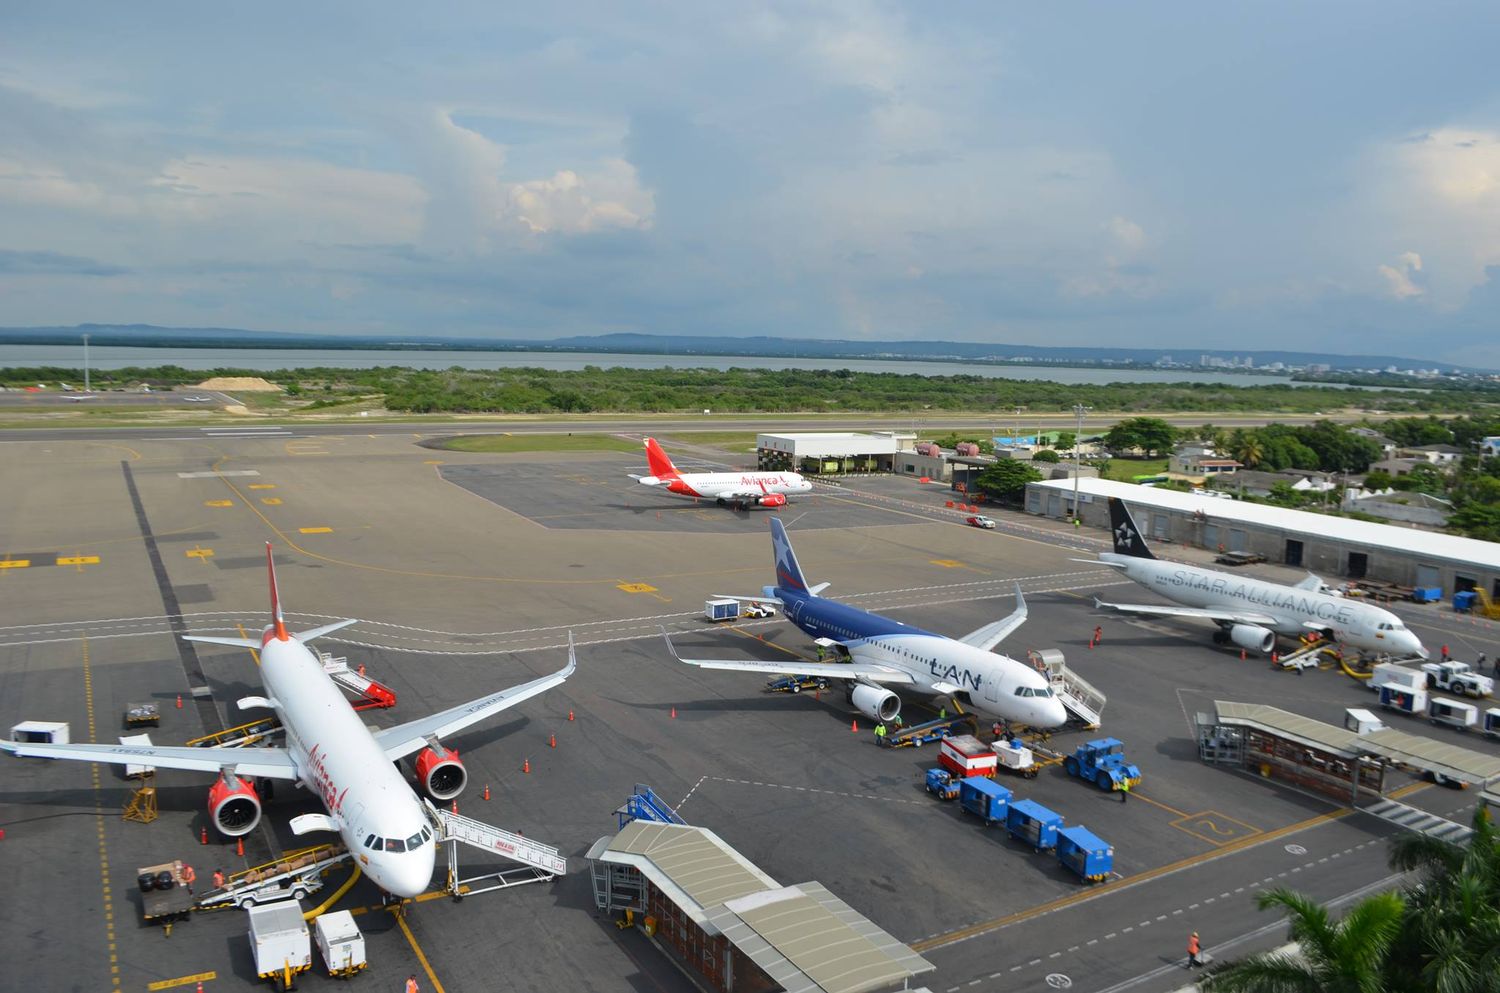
x=216 y=475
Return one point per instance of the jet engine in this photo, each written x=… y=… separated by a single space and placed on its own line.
x=441 y=773
x=875 y=702
x=233 y=805
x=771 y=500
x=1252 y=638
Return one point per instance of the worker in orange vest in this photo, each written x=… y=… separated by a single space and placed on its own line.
x=218 y=879
x=411 y=984
x=189 y=877
x=1193 y=947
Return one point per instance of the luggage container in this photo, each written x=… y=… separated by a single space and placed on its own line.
x=1362 y=721
x=1085 y=853
x=41 y=732
x=1015 y=757
x=721 y=610
x=1034 y=824
x=1492 y=722
x=964 y=755
x=1453 y=713
x=340 y=943
x=278 y=939
x=984 y=798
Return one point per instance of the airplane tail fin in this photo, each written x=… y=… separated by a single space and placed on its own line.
x=788 y=572
x=1127 y=536
x=661 y=466
x=278 y=623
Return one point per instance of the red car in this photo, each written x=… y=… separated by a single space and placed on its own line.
x=981 y=522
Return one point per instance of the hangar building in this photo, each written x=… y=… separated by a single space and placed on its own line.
x=1331 y=546
x=832 y=451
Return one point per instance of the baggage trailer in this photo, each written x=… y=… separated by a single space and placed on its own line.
x=142 y=715
x=1015 y=757
x=164 y=896
x=1034 y=824
x=723 y=609
x=1085 y=853
x=1453 y=713
x=279 y=942
x=941 y=784
x=964 y=755
x=1400 y=688
x=1491 y=724
x=984 y=798
x=340 y=943
x=796 y=684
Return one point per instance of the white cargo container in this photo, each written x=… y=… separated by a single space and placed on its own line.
x=1454 y=713
x=340 y=943
x=723 y=609
x=279 y=941
x=1400 y=688
x=1362 y=721
x=41 y=732
x=1492 y=722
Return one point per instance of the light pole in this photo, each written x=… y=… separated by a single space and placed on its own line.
x=86 y=364
x=1078 y=411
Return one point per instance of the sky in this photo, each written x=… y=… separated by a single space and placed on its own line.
x=1264 y=175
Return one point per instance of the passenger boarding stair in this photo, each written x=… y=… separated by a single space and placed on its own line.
x=1077 y=694
x=645 y=805
x=370 y=694
x=1420 y=821
x=539 y=862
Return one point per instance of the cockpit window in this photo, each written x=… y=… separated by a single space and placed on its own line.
x=370 y=842
x=395 y=845
x=1042 y=691
x=426 y=834
x=414 y=842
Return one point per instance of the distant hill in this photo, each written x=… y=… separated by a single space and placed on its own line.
x=152 y=336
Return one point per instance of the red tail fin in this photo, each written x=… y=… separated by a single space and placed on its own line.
x=661 y=466
x=278 y=623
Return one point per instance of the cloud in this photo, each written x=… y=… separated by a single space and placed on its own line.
x=53 y=263
x=1398 y=277
x=567 y=203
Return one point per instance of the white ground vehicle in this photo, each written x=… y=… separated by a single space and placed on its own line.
x=1457 y=677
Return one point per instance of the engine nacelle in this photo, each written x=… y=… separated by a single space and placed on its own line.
x=1252 y=638
x=233 y=806
x=441 y=773
x=875 y=702
x=771 y=500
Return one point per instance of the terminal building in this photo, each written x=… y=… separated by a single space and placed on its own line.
x=1321 y=543
x=827 y=452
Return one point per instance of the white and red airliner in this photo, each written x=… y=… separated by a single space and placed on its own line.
x=329 y=750
x=728 y=489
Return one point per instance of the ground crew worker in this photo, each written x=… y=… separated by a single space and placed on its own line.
x=218 y=879
x=1124 y=790
x=1077 y=524
x=189 y=877
x=1445 y=653
x=942 y=713
x=411 y=985
x=1098 y=633
x=880 y=732
x=822 y=653
x=1193 y=947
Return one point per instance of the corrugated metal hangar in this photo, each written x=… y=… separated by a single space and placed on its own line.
x=831 y=451
x=1331 y=546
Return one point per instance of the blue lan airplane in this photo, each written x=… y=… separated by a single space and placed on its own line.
x=884 y=653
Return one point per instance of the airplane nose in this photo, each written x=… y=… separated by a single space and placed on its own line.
x=1419 y=649
x=1054 y=715
x=406 y=875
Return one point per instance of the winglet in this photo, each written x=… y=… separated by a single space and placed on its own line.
x=668 y=639
x=572 y=665
x=278 y=622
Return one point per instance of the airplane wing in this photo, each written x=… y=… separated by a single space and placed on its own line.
x=1207 y=613
x=270 y=763
x=1311 y=583
x=403 y=739
x=993 y=633
x=833 y=670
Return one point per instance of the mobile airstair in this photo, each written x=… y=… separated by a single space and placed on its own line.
x=1077 y=694
x=645 y=805
x=369 y=694
x=540 y=863
x=293 y=876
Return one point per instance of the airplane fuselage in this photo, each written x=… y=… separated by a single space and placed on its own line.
x=338 y=759
x=994 y=684
x=1297 y=611
x=729 y=485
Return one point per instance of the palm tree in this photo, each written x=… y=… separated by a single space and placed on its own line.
x=1249 y=450
x=1345 y=957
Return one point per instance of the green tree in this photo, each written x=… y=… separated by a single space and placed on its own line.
x=1150 y=434
x=1007 y=479
x=1378 y=480
x=1066 y=440
x=1477 y=520
x=1248 y=449
x=1349 y=956
x=1045 y=455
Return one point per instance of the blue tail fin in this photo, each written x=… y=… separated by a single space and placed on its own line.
x=788 y=572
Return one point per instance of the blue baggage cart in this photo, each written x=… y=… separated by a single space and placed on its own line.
x=1085 y=853
x=1034 y=824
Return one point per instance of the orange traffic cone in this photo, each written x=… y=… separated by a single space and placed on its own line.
x=239 y=846
x=361 y=668
x=854 y=725
x=570 y=715
x=200 y=986
x=486 y=791
x=179 y=701
x=1242 y=655
x=526 y=765
x=552 y=740
x=674 y=711
x=203 y=835
x=455 y=806
x=1275 y=658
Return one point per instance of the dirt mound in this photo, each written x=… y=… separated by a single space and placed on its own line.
x=244 y=384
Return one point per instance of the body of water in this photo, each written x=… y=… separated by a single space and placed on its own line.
x=271 y=359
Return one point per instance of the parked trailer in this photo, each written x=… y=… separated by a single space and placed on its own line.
x=1034 y=824
x=340 y=943
x=796 y=684
x=984 y=798
x=721 y=610
x=1492 y=722
x=1085 y=853
x=164 y=896
x=1015 y=757
x=1453 y=713
x=1401 y=689
x=278 y=939
x=964 y=755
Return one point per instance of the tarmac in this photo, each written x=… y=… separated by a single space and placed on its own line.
x=468 y=571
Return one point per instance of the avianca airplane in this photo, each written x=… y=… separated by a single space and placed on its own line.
x=1250 y=613
x=886 y=653
x=727 y=489
x=331 y=752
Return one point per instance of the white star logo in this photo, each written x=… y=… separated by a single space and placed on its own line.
x=1123 y=534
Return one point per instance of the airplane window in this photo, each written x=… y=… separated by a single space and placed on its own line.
x=1023 y=691
x=414 y=842
x=426 y=834
x=370 y=841
x=395 y=845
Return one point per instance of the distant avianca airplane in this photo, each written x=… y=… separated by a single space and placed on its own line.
x=330 y=751
x=727 y=489
x=883 y=652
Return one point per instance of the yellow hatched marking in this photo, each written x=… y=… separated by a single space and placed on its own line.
x=636 y=588
x=271 y=501
x=316 y=530
x=78 y=560
x=432 y=461
x=14 y=563
x=218 y=503
x=261 y=486
x=948 y=563
x=199 y=553
x=166 y=984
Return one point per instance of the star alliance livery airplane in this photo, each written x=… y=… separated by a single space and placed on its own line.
x=1250 y=613
x=885 y=653
x=331 y=752
x=740 y=490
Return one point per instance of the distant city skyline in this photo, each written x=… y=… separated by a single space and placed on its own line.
x=1173 y=176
